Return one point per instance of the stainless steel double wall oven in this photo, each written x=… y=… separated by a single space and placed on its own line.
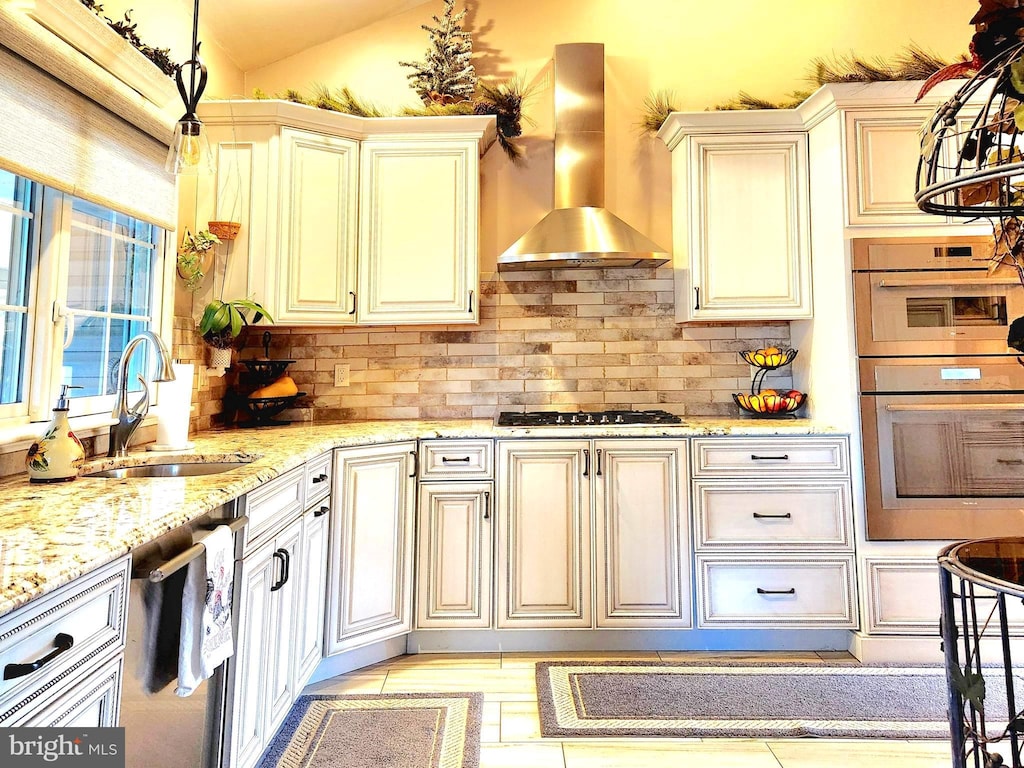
x=942 y=396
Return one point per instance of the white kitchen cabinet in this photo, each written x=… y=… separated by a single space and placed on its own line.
x=418 y=231
x=741 y=216
x=312 y=585
x=62 y=655
x=260 y=682
x=453 y=563
x=773 y=538
x=370 y=585
x=642 y=540
x=563 y=504
x=544 y=534
x=319 y=229
x=348 y=220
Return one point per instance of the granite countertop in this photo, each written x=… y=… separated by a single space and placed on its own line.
x=51 y=534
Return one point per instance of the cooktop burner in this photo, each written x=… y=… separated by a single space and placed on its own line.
x=563 y=419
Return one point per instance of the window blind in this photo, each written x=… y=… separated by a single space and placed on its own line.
x=69 y=124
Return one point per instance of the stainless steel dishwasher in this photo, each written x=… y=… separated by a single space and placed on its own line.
x=163 y=730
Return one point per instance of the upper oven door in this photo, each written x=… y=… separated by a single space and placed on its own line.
x=942 y=312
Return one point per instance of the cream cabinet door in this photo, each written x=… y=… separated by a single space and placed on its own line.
x=746 y=228
x=883 y=149
x=248 y=670
x=642 y=533
x=418 y=249
x=312 y=590
x=543 y=534
x=371 y=540
x=453 y=573
x=316 y=265
x=284 y=619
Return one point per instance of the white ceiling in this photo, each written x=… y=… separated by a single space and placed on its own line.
x=257 y=32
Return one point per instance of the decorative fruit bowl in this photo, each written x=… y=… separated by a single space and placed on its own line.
x=771 y=404
x=769 y=359
x=264 y=409
x=267 y=370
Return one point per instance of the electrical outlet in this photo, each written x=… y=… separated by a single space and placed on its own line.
x=341 y=375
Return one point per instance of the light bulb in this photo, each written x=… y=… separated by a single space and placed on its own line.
x=190 y=151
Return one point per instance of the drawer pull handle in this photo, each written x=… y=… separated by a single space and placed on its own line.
x=320 y=478
x=1015 y=462
x=783 y=457
x=762 y=516
x=463 y=460
x=321 y=512
x=62 y=642
x=790 y=591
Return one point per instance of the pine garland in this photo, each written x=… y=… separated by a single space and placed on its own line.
x=127 y=29
x=656 y=109
x=446 y=75
x=504 y=100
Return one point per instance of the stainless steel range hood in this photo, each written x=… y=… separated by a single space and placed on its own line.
x=580 y=232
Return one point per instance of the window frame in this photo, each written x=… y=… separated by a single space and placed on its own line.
x=49 y=317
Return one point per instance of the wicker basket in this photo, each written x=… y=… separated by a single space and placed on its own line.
x=225 y=230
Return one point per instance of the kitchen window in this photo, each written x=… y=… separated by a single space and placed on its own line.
x=77 y=281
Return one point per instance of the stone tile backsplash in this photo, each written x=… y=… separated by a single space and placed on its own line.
x=562 y=339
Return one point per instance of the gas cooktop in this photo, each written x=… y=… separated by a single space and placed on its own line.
x=575 y=419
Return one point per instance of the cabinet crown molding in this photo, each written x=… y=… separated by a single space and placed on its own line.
x=287 y=114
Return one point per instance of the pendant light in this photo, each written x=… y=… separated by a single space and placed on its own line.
x=190 y=153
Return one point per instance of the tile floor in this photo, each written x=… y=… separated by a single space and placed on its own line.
x=511 y=729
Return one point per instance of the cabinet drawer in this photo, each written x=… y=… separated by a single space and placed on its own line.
x=93 y=702
x=817 y=456
x=791 y=591
x=461 y=459
x=808 y=515
x=91 y=611
x=270 y=506
x=318 y=478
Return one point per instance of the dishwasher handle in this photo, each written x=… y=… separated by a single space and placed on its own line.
x=179 y=561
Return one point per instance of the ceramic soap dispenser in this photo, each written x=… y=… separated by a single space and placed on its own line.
x=58 y=455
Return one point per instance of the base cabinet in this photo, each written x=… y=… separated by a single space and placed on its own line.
x=558 y=499
x=453 y=563
x=371 y=545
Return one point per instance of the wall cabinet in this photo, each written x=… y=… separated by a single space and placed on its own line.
x=349 y=220
x=370 y=584
x=558 y=499
x=741 y=217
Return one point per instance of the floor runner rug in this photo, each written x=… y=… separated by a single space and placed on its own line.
x=401 y=730
x=762 y=700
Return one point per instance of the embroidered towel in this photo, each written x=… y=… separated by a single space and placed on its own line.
x=206 y=639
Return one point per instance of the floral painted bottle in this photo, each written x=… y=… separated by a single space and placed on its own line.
x=58 y=455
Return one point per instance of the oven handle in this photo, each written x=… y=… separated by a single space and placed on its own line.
x=955 y=407
x=888 y=282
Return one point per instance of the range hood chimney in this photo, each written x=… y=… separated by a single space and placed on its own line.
x=580 y=232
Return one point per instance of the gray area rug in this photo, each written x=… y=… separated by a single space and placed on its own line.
x=399 y=730
x=706 y=699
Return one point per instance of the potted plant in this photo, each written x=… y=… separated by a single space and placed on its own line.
x=222 y=322
x=195 y=256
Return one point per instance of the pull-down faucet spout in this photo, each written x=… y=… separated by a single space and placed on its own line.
x=129 y=418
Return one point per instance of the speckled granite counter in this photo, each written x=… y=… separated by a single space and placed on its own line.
x=51 y=534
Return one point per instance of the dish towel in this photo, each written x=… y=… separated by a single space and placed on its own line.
x=161 y=602
x=206 y=639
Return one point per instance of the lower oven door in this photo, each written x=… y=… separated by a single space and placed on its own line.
x=944 y=466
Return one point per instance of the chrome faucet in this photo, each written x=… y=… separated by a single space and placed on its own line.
x=129 y=419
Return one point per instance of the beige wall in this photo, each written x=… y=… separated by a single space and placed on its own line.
x=705 y=52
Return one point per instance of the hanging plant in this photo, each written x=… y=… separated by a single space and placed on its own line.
x=222 y=321
x=195 y=256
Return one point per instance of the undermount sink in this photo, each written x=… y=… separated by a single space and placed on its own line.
x=169 y=469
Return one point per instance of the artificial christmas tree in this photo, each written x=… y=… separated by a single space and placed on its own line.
x=446 y=75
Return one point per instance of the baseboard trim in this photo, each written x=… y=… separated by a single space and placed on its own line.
x=540 y=640
x=348 y=661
